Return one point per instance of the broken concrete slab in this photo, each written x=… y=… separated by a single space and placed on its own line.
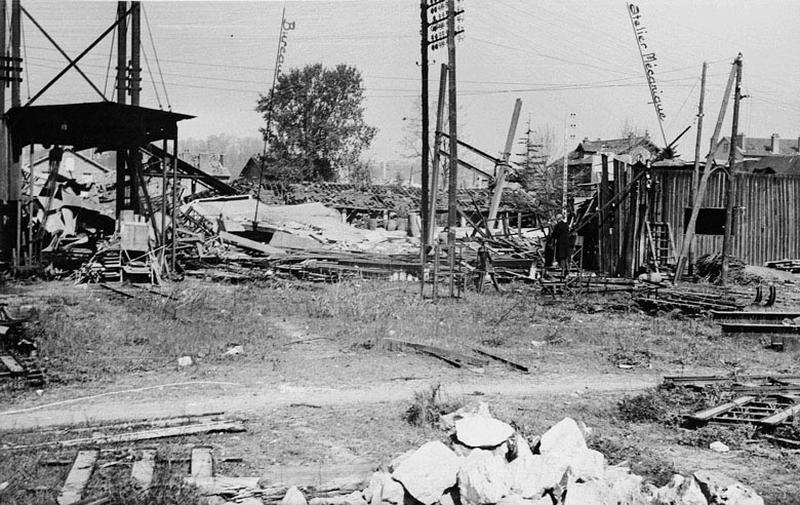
x=565 y=437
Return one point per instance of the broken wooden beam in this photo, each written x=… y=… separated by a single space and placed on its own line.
x=705 y=415
x=202 y=466
x=252 y=245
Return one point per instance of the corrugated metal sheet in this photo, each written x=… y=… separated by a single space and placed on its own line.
x=765 y=228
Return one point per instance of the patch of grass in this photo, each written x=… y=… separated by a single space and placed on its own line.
x=666 y=404
x=733 y=436
x=644 y=462
x=168 y=488
x=428 y=405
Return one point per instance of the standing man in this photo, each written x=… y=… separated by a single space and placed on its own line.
x=562 y=248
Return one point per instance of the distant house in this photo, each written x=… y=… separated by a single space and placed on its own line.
x=757 y=147
x=210 y=163
x=251 y=170
x=780 y=165
x=585 y=161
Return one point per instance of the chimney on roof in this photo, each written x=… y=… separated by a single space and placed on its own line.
x=798 y=144
x=221 y=159
x=740 y=141
x=775 y=144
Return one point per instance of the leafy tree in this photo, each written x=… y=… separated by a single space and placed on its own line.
x=317 y=121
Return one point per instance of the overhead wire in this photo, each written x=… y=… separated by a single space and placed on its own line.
x=155 y=55
x=152 y=78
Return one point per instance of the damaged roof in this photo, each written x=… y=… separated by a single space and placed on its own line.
x=102 y=125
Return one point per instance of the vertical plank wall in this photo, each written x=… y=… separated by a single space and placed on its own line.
x=765 y=227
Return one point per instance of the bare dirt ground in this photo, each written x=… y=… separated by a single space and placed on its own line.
x=317 y=388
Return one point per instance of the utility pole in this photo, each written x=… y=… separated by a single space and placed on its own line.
x=453 y=132
x=697 y=144
x=569 y=128
x=688 y=235
x=731 y=190
x=4 y=151
x=16 y=163
x=424 y=177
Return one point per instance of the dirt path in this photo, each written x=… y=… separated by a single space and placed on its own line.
x=196 y=398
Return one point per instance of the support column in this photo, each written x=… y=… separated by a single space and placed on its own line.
x=123 y=179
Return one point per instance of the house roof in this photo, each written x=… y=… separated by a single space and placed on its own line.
x=616 y=146
x=785 y=165
x=760 y=146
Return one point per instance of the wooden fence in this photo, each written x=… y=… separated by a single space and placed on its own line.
x=765 y=227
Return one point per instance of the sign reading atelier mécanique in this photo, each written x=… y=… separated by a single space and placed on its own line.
x=648 y=58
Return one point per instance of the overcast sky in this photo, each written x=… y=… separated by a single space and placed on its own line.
x=559 y=57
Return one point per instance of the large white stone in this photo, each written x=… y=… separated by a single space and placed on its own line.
x=530 y=476
x=479 y=431
x=594 y=492
x=294 y=496
x=483 y=478
x=719 y=488
x=586 y=464
x=427 y=472
x=680 y=490
x=564 y=438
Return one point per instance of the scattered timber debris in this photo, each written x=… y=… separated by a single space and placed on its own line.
x=192 y=428
x=689 y=301
x=767 y=403
x=792 y=266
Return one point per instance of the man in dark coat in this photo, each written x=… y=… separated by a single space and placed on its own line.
x=562 y=246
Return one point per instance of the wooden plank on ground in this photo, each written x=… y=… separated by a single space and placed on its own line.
x=508 y=362
x=202 y=463
x=319 y=476
x=117 y=291
x=705 y=415
x=177 y=431
x=781 y=416
x=220 y=484
x=142 y=471
x=78 y=477
x=12 y=364
x=454 y=358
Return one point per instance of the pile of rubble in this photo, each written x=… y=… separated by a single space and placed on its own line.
x=486 y=462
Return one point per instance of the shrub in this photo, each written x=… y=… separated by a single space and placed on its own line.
x=428 y=405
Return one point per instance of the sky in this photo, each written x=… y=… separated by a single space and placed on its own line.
x=560 y=57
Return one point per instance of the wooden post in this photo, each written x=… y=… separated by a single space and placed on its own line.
x=163 y=201
x=500 y=180
x=31 y=205
x=701 y=188
x=731 y=190
x=453 y=130
x=618 y=215
x=434 y=189
x=696 y=172
x=173 y=259
x=602 y=215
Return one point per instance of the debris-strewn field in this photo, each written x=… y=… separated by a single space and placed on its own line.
x=345 y=377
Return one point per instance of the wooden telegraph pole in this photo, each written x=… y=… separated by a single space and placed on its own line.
x=688 y=235
x=731 y=190
x=424 y=181
x=453 y=131
x=122 y=64
x=697 y=147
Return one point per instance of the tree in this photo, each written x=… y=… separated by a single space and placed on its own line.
x=316 y=118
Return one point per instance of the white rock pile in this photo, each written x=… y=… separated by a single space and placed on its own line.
x=486 y=462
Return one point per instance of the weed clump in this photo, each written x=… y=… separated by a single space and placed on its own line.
x=666 y=404
x=642 y=461
x=428 y=405
x=168 y=488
